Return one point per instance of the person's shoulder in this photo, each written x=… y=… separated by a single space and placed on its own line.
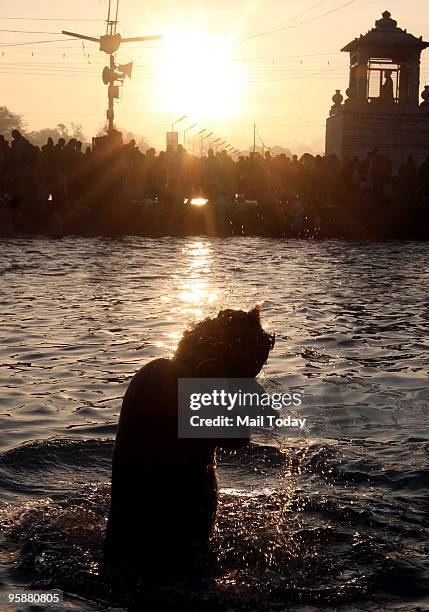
x=161 y=369
x=155 y=367
x=149 y=378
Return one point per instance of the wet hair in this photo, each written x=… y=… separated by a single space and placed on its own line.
x=234 y=337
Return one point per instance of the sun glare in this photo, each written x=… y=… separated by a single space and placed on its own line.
x=199 y=201
x=198 y=77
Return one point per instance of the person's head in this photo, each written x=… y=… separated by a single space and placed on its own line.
x=233 y=342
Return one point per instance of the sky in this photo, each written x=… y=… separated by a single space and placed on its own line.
x=219 y=63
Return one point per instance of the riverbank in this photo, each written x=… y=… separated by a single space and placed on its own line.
x=224 y=216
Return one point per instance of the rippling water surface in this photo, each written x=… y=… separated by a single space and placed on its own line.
x=335 y=517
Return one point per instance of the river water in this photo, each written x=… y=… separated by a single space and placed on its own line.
x=336 y=517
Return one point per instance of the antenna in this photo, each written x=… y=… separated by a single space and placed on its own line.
x=113 y=75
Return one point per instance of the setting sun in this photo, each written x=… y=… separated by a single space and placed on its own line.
x=198 y=77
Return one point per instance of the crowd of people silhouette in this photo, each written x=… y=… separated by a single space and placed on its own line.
x=115 y=189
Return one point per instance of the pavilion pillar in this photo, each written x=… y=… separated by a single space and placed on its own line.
x=362 y=77
x=414 y=81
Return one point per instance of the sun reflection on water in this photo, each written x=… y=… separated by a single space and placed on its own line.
x=193 y=294
x=199 y=201
x=197 y=291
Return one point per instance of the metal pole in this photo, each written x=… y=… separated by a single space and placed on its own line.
x=177 y=121
x=186 y=130
x=110 y=110
x=213 y=142
x=254 y=137
x=201 y=142
x=195 y=136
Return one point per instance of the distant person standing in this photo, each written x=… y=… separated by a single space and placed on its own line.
x=386 y=92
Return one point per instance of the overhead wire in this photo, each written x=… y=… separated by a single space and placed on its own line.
x=29 y=32
x=47 y=19
x=260 y=139
x=295 y=25
x=307 y=10
x=32 y=42
x=148 y=72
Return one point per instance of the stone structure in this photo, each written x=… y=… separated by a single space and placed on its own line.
x=382 y=106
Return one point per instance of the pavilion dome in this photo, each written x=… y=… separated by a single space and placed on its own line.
x=386 y=34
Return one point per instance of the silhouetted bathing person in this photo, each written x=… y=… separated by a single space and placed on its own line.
x=164 y=489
